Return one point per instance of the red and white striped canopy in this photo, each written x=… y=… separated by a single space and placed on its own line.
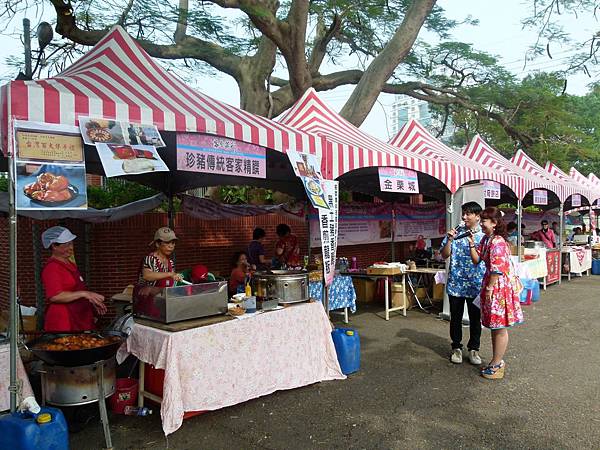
x=594 y=180
x=350 y=148
x=416 y=139
x=525 y=162
x=521 y=181
x=554 y=170
x=118 y=80
x=594 y=191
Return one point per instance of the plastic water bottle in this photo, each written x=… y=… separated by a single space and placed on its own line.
x=137 y=411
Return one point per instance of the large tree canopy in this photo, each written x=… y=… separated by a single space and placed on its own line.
x=275 y=50
x=247 y=39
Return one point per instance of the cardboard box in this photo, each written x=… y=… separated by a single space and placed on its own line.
x=398 y=298
x=438 y=292
x=384 y=271
x=29 y=323
x=365 y=289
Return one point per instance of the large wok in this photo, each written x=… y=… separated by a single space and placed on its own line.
x=75 y=358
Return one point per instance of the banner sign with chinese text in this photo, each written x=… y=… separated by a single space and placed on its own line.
x=392 y=179
x=372 y=224
x=540 y=197
x=222 y=156
x=328 y=225
x=49 y=167
x=575 y=200
x=491 y=190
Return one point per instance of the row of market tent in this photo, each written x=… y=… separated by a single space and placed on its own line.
x=118 y=80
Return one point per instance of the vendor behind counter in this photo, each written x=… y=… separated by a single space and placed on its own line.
x=70 y=305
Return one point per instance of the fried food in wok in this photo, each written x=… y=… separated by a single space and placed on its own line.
x=77 y=342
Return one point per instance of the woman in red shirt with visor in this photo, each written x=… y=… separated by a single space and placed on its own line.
x=70 y=306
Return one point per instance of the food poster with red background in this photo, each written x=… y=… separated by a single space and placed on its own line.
x=120 y=159
x=49 y=167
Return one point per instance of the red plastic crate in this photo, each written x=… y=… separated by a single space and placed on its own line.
x=154 y=381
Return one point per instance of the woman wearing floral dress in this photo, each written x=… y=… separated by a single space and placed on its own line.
x=500 y=306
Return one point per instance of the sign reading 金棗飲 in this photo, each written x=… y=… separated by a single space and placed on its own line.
x=392 y=179
x=44 y=146
x=540 y=197
x=214 y=154
x=491 y=189
x=576 y=200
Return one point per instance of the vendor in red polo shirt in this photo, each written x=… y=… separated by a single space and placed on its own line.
x=69 y=305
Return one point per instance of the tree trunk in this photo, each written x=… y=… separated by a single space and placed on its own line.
x=254 y=71
x=382 y=67
x=254 y=97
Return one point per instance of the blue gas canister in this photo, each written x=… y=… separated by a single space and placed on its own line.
x=347 y=347
x=595 y=266
x=26 y=431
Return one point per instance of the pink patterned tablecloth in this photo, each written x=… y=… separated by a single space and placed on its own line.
x=5 y=378
x=231 y=362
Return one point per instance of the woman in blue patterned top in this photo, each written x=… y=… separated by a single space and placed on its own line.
x=464 y=283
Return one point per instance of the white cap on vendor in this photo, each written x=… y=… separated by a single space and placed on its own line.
x=57 y=235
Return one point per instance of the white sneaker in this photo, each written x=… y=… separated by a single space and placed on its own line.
x=474 y=357
x=457 y=356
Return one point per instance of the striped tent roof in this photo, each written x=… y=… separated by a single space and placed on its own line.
x=350 y=148
x=556 y=172
x=118 y=80
x=523 y=181
x=585 y=182
x=525 y=162
x=594 y=180
x=416 y=139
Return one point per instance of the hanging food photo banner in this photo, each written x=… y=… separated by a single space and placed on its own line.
x=49 y=167
x=315 y=192
x=540 y=197
x=491 y=190
x=213 y=154
x=305 y=164
x=129 y=159
x=392 y=179
x=575 y=200
x=328 y=226
x=373 y=224
x=106 y=131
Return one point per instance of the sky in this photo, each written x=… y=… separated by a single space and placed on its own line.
x=499 y=32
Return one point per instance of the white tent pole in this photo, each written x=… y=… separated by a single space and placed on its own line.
x=12 y=243
x=561 y=226
x=519 y=222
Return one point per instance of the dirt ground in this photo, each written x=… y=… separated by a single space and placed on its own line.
x=408 y=395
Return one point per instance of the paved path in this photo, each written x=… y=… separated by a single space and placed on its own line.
x=409 y=396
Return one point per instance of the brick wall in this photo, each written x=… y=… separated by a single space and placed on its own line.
x=116 y=248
